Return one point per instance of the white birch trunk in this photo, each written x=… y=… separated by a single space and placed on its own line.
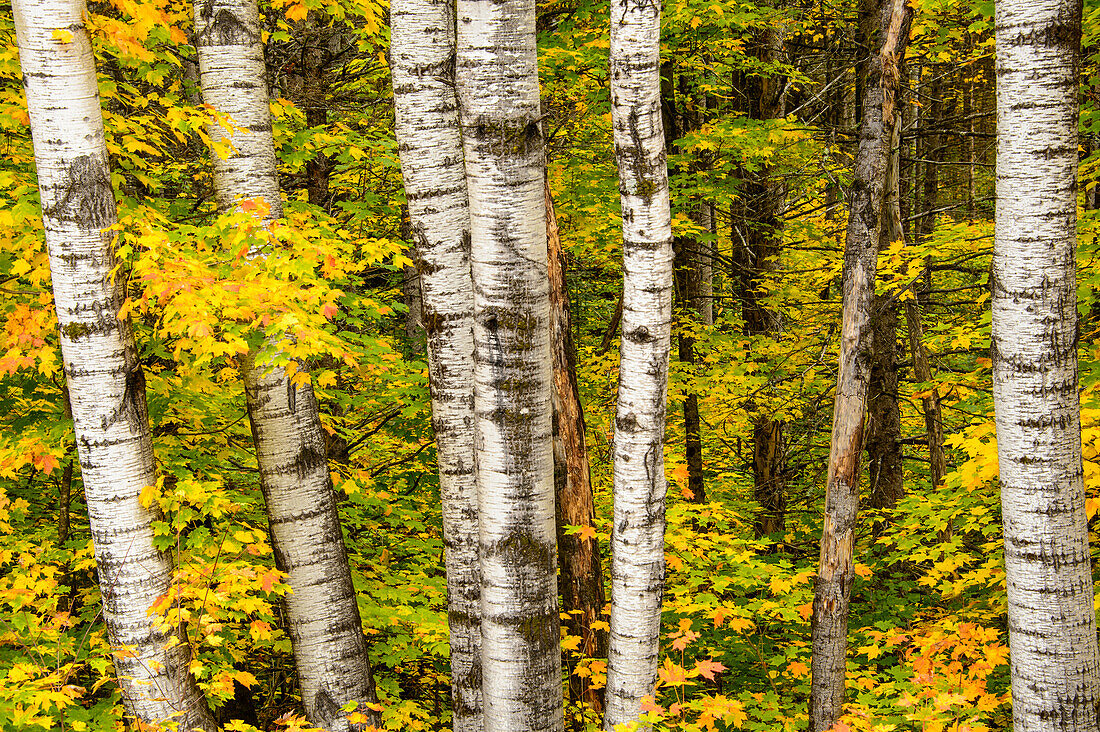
x=1051 y=620
x=105 y=382
x=325 y=630
x=498 y=93
x=422 y=48
x=637 y=540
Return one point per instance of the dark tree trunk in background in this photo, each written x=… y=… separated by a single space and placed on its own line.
x=884 y=415
x=755 y=252
x=581 y=577
x=64 y=497
x=687 y=291
x=930 y=147
x=930 y=399
x=884 y=464
x=690 y=255
x=309 y=91
x=415 y=339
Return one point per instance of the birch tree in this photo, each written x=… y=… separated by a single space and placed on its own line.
x=422 y=48
x=498 y=94
x=323 y=621
x=637 y=540
x=1051 y=617
x=104 y=378
x=888 y=32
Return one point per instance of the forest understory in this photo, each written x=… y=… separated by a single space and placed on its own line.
x=238 y=307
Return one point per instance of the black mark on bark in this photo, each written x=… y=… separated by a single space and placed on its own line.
x=86 y=197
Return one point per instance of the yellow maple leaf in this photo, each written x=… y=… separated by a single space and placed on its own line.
x=296 y=12
x=672 y=674
x=779 y=585
x=571 y=642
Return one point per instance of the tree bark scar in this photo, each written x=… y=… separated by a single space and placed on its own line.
x=496 y=353
x=308 y=460
x=291 y=396
x=848 y=465
x=132 y=406
x=222 y=28
x=644 y=186
x=87 y=199
x=1055 y=35
x=325 y=707
x=433 y=321
x=891 y=55
x=524 y=550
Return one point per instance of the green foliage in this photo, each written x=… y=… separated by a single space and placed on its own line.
x=928 y=637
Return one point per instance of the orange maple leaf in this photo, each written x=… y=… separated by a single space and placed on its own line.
x=707 y=669
x=269 y=580
x=648 y=705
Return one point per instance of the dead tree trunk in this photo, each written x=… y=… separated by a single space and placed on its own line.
x=580 y=580
x=884 y=454
x=887 y=22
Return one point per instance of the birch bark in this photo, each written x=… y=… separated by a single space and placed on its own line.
x=889 y=33
x=1051 y=618
x=325 y=630
x=422 y=46
x=637 y=541
x=498 y=95
x=105 y=382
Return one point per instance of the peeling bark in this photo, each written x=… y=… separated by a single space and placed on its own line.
x=581 y=577
x=888 y=22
